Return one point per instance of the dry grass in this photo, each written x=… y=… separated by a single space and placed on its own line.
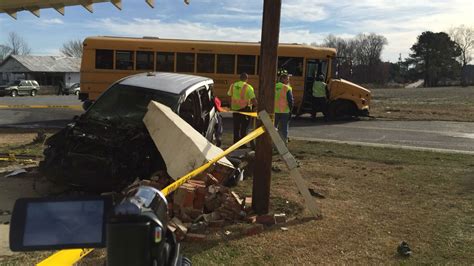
x=375 y=198
x=441 y=103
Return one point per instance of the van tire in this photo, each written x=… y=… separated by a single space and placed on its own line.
x=33 y=93
x=14 y=93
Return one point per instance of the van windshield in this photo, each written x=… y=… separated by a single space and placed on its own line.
x=128 y=104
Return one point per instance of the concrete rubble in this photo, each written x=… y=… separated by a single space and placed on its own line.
x=205 y=202
x=201 y=205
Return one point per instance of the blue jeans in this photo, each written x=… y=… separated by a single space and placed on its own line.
x=282 y=123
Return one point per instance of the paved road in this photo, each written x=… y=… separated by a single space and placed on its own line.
x=12 y=114
x=420 y=135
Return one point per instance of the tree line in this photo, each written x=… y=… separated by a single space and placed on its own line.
x=16 y=45
x=437 y=58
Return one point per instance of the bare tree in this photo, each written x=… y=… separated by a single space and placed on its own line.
x=72 y=48
x=345 y=48
x=464 y=37
x=17 y=45
x=369 y=48
x=4 y=51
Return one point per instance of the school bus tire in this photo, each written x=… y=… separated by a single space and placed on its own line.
x=341 y=109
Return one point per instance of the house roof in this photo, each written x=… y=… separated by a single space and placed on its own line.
x=47 y=63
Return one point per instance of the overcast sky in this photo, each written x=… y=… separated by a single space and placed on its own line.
x=303 y=21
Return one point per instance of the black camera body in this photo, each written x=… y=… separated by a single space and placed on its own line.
x=133 y=230
x=137 y=233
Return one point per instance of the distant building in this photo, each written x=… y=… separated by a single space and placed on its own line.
x=47 y=70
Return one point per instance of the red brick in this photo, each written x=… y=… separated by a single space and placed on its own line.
x=180 y=228
x=199 y=198
x=184 y=197
x=195 y=237
x=280 y=218
x=196 y=183
x=266 y=219
x=255 y=229
x=216 y=223
x=211 y=180
x=251 y=219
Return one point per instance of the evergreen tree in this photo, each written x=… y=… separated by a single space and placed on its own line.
x=434 y=56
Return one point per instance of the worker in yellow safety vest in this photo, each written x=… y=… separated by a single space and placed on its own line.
x=319 y=96
x=242 y=99
x=283 y=105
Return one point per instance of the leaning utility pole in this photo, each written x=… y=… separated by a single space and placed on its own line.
x=266 y=97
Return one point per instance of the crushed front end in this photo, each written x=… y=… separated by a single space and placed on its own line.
x=100 y=156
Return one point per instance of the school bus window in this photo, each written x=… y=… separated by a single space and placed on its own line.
x=144 y=60
x=294 y=65
x=104 y=59
x=124 y=60
x=246 y=63
x=185 y=62
x=205 y=63
x=225 y=64
x=165 y=62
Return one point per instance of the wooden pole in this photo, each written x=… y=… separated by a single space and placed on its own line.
x=266 y=96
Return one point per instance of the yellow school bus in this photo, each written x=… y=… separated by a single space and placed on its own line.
x=108 y=59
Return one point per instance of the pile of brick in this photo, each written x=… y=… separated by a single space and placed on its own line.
x=204 y=203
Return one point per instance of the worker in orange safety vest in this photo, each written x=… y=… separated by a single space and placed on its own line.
x=283 y=105
x=242 y=99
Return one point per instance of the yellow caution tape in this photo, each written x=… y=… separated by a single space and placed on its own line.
x=172 y=187
x=17 y=160
x=12 y=158
x=252 y=114
x=40 y=106
x=71 y=256
x=65 y=257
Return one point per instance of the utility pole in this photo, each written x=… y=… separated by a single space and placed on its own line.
x=266 y=97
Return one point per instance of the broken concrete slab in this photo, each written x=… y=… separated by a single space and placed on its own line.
x=170 y=133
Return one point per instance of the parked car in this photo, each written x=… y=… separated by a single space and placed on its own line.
x=20 y=87
x=108 y=146
x=73 y=89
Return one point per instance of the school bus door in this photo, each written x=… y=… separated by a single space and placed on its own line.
x=306 y=102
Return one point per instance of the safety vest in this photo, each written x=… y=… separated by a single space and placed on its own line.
x=281 y=102
x=319 y=89
x=238 y=96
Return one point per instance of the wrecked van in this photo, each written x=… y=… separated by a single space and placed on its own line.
x=108 y=146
